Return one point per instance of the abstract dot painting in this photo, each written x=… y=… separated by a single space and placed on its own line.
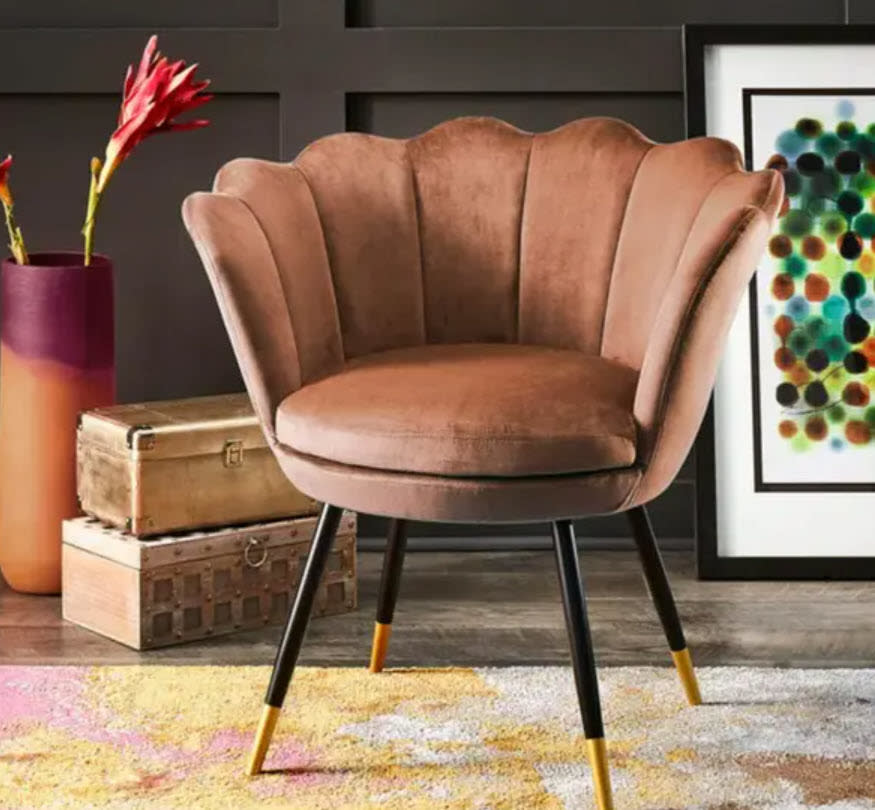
x=814 y=305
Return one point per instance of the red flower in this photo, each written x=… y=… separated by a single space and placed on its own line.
x=16 y=240
x=5 y=194
x=153 y=97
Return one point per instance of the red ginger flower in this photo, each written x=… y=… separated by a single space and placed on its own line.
x=153 y=97
x=5 y=194
x=16 y=240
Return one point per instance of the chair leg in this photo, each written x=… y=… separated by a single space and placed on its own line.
x=390 y=582
x=293 y=636
x=660 y=591
x=583 y=660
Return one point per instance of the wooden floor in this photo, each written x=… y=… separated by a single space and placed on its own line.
x=503 y=608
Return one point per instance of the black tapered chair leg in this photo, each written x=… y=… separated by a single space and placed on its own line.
x=583 y=660
x=663 y=600
x=390 y=582
x=293 y=636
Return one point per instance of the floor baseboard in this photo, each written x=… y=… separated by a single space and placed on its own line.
x=498 y=542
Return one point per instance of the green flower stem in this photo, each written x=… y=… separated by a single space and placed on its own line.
x=91 y=212
x=16 y=240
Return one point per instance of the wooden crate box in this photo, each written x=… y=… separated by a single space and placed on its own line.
x=159 y=467
x=176 y=588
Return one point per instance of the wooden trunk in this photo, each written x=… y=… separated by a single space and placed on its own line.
x=176 y=588
x=183 y=464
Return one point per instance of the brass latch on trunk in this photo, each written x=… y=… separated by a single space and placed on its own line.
x=233 y=453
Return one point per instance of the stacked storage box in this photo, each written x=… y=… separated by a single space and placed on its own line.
x=192 y=528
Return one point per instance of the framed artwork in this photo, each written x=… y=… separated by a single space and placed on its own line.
x=786 y=455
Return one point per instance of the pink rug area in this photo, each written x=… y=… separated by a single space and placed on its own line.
x=499 y=739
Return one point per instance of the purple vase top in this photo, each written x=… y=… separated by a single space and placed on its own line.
x=56 y=308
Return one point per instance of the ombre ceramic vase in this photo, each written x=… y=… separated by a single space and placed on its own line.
x=56 y=360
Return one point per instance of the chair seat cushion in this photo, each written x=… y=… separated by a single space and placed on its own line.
x=468 y=410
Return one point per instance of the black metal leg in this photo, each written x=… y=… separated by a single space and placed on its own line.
x=293 y=636
x=663 y=599
x=582 y=658
x=390 y=582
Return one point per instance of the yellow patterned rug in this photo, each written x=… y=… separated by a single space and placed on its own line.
x=491 y=739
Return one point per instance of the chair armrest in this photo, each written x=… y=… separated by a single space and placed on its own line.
x=244 y=277
x=687 y=341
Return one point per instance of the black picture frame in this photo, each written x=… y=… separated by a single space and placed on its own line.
x=710 y=565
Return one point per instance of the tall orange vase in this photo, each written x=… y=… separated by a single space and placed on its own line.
x=56 y=359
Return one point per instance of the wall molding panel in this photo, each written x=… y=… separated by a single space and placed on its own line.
x=286 y=72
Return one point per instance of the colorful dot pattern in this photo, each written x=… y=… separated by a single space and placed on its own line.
x=822 y=298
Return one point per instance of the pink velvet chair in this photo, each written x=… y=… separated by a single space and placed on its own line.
x=481 y=324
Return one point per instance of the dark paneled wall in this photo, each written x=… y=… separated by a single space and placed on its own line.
x=286 y=72
x=566 y=13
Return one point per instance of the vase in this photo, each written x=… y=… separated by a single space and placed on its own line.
x=56 y=360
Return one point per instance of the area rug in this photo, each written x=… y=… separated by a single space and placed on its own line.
x=491 y=739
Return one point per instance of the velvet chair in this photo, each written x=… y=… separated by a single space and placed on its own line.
x=479 y=324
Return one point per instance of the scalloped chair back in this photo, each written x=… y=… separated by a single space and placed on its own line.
x=590 y=237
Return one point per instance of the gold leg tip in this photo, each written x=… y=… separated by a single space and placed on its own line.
x=684 y=665
x=601 y=775
x=380 y=646
x=263 y=735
